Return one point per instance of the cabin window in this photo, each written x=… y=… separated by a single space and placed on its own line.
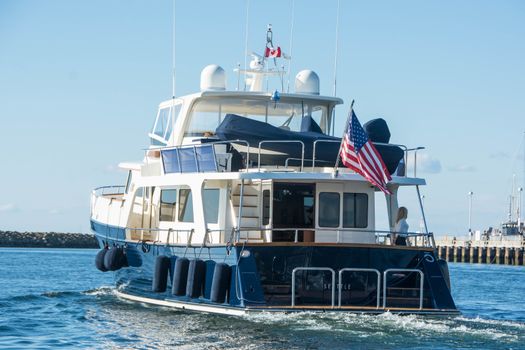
x=355 y=210
x=168 y=201
x=329 y=204
x=139 y=192
x=211 y=205
x=266 y=207
x=185 y=205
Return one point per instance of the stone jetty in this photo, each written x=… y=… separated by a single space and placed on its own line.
x=47 y=240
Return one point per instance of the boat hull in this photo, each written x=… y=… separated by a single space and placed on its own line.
x=262 y=275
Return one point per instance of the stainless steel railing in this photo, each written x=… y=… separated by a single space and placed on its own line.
x=280 y=141
x=421 y=283
x=294 y=271
x=302 y=159
x=353 y=269
x=109 y=190
x=416 y=239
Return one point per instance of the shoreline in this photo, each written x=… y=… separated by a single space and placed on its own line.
x=14 y=239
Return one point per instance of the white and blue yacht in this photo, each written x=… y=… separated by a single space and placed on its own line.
x=239 y=206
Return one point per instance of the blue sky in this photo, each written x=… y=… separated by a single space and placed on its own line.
x=80 y=83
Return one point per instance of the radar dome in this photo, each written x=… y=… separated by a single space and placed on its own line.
x=213 y=77
x=307 y=82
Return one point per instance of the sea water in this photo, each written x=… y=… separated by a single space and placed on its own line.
x=55 y=298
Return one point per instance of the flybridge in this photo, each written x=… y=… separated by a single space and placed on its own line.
x=180 y=120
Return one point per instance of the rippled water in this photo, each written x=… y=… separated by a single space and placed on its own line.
x=56 y=298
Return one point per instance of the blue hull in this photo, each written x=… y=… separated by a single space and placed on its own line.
x=261 y=279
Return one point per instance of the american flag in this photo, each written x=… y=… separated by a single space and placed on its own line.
x=359 y=154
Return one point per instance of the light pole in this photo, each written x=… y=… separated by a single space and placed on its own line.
x=519 y=207
x=470 y=214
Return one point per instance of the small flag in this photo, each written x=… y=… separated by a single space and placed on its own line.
x=359 y=154
x=273 y=53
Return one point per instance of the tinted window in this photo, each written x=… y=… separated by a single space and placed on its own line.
x=185 y=205
x=329 y=209
x=168 y=201
x=211 y=205
x=355 y=210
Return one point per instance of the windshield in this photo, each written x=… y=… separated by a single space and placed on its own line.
x=163 y=126
x=207 y=114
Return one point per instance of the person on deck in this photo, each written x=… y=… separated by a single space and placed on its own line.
x=401 y=228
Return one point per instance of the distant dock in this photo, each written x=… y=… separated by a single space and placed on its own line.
x=502 y=250
x=46 y=240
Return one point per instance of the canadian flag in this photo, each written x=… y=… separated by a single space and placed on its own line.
x=271 y=52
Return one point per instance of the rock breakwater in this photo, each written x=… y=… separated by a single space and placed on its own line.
x=47 y=240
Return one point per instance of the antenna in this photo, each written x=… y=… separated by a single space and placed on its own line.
x=173 y=54
x=291 y=42
x=172 y=109
x=246 y=38
x=335 y=62
x=336 y=46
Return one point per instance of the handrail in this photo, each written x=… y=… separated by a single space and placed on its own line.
x=170 y=233
x=313 y=269
x=421 y=282
x=121 y=190
x=378 y=233
x=280 y=141
x=315 y=146
x=350 y=269
x=405 y=153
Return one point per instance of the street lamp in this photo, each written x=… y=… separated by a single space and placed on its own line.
x=470 y=213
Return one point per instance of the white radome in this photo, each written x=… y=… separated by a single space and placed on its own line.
x=213 y=77
x=307 y=82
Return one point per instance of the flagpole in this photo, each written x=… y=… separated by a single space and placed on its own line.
x=342 y=139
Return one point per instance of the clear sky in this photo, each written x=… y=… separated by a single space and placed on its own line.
x=80 y=82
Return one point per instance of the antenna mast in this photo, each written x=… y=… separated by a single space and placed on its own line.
x=336 y=46
x=246 y=39
x=335 y=61
x=173 y=55
x=291 y=42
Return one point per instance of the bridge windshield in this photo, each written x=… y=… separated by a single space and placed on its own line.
x=163 y=126
x=207 y=114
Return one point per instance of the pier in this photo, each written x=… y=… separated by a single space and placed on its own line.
x=508 y=250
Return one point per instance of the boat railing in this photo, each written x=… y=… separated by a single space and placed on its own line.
x=205 y=157
x=110 y=193
x=332 y=272
x=160 y=235
x=280 y=141
x=316 y=142
x=364 y=270
x=344 y=235
x=421 y=283
x=113 y=190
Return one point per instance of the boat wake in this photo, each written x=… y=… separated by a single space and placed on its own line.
x=393 y=327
